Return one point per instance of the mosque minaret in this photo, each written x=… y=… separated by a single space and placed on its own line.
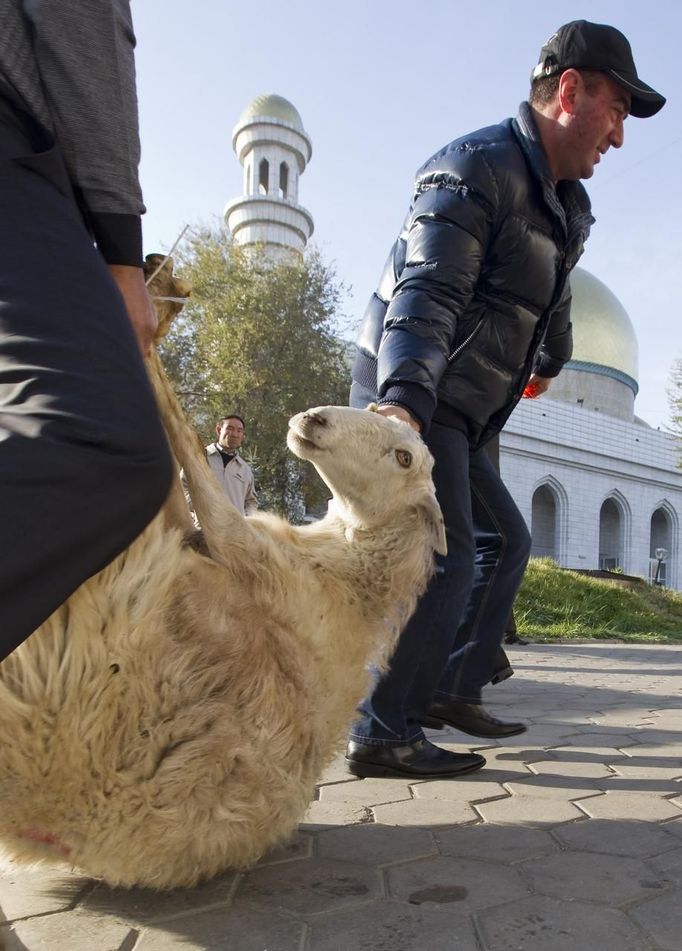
x=274 y=149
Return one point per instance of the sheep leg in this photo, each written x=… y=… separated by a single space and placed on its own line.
x=175 y=511
x=225 y=530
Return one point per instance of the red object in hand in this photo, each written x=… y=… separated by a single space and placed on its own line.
x=531 y=391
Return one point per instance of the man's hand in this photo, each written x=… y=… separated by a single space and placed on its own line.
x=400 y=413
x=138 y=303
x=536 y=386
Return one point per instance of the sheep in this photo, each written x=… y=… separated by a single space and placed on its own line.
x=170 y=720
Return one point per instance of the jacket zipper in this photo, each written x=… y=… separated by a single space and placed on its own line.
x=466 y=341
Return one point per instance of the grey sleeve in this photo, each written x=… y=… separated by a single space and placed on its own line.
x=85 y=56
x=251 y=499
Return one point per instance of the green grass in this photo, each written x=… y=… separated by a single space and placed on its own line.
x=556 y=604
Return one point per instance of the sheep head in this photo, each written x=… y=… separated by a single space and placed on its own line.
x=375 y=466
x=169 y=292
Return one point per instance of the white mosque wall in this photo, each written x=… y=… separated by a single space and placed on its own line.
x=595 y=390
x=268 y=221
x=275 y=158
x=265 y=136
x=585 y=458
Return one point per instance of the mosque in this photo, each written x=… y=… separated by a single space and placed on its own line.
x=274 y=149
x=598 y=487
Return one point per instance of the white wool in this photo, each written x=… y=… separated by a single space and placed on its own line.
x=171 y=719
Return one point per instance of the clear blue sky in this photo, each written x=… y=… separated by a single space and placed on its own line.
x=382 y=84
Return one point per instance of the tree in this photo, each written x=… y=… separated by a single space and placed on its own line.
x=258 y=338
x=675 y=397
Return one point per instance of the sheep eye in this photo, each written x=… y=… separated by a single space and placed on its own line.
x=404 y=458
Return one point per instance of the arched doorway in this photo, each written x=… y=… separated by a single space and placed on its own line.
x=544 y=520
x=611 y=536
x=660 y=543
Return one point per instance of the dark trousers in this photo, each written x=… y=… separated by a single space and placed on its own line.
x=448 y=647
x=84 y=463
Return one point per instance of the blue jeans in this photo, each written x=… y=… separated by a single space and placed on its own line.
x=447 y=649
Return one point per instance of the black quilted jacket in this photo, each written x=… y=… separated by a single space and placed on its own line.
x=475 y=293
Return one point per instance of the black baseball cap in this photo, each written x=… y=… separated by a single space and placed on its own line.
x=584 y=45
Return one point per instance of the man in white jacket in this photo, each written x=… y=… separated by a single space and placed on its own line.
x=234 y=475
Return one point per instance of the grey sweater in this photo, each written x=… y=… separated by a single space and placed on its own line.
x=70 y=65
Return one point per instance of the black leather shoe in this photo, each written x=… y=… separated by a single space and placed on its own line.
x=504 y=673
x=420 y=760
x=512 y=638
x=471 y=718
x=503 y=669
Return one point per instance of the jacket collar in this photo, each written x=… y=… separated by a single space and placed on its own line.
x=213 y=450
x=569 y=201
x=526 y=130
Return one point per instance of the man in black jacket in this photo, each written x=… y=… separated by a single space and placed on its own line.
x=473 y=309
x=84 y=463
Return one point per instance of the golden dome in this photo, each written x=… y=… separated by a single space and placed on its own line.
x=603 y=334
x=271 y=106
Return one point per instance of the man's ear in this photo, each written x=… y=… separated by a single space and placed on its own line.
x=569 y=84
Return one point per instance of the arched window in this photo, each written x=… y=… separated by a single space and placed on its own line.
x=611 y=536
x=544 y=524
x=263 y=176
x=283 y=180
x=248 y=178
x=660 y=544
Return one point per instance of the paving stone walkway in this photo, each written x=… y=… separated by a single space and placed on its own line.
x=570 y=839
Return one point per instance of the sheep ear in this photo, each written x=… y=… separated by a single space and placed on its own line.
x=434 y=520
x=372 y=407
